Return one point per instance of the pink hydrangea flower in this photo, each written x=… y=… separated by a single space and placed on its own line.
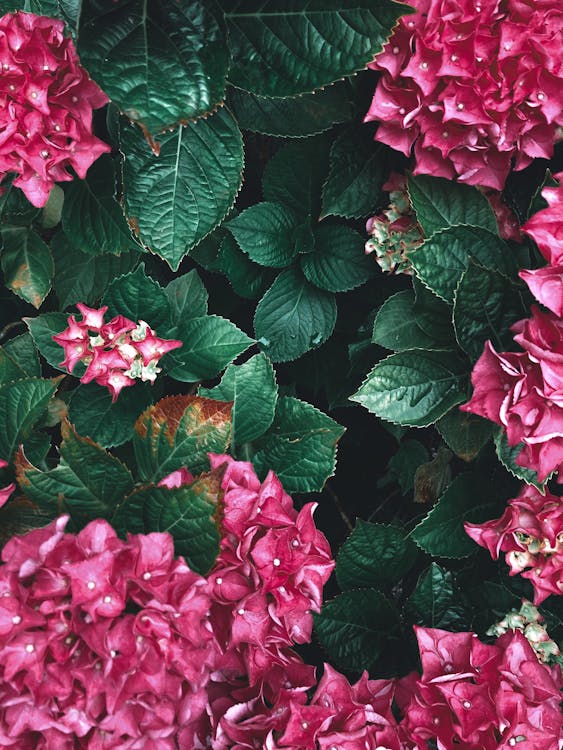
x=472 y=87
x=530 y=532
x=119 y=352
x=46 y=104
x=5 y=492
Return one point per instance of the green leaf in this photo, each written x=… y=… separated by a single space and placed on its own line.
x=88 y=482
x=299 y=189
x=468 y=498
x=440 y=204
x=253 y=388
x=354 y=628
x=15 y=209
x=414 y=387
x=92 y=217
x=403 y=465
x=42 y=329
x=265 y=233
x=433 y=603
x=358 y=168
x=27 y=264
x=80 y=277
x=139 y=297
x=109 y=424
x=161 y=63
x=293 y=317
x=294 y=117
x=300 y=446
x=180 y=431
x=70 y=11
x=187 y=297
x=396 y=326
x=433 y=315
x=374 y=556
x=441 y=260
x=19 y=359
x=507 y=455
x=248 y=279
x=185 y=512
x=486 y=304
x=338 y=262
x=173 y=200
x=279 y=48
x=210 y=344
x=465 y=433
x=22 y=402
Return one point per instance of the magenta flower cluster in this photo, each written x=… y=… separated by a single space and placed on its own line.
x=46 y=104
x=522 y=391
x=116 y=353
x=474 y=87
x=530 y=532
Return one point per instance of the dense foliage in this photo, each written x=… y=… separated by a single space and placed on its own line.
x=234 y=237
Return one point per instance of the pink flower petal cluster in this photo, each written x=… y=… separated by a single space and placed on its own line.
x=475 y=696
x=46 y=103
x=530 y=532
x=119 y=351
x=473 y=86
x=103 y=643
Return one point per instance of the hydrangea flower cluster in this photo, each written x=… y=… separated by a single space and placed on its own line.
x=532 y=625
x=530 y=532
x=46 y=104
x=474 y=86
x=477 y=696
x=395 y=231
x=522 y=390
x=119 y=352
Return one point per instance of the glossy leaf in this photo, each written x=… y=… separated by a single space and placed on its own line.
x=22 y=403
x=265 y=232
x=138 y=297
x=27 y=264
x=338 y=262
x=396 y=326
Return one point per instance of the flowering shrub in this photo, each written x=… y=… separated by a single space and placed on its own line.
x=118 y=353
x=466 y=117
x=47 y=100
x=206 y=244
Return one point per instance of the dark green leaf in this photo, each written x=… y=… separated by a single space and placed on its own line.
x=19 y=359
x=294 y=117
x=433 y=603
x=404 y=463
x=210 y=344
x=173 y=200
x=354 y=628
x=300 y=446
x=293 y=317
x=414 y=387
x=88 y=482
x=187 y=297
x=486 y=304
x=180 y=431
x=248 y=279
x=298 y=188
x=374 y=556
x=441 y=260
x=94 y=415
x=507 y=455
x=80 y=277
x=139 y=297
x=22 y=403
x=185 y=512
x=338 y=262
x=396 y=326
x=27 y=264
x=92 y=218
x=42 y=330
x=440 y=203
x=465 y=433
x=265 y=233
x=253 y=388
x=161 y=63
x=468 y=498
x=358 y=167
x=280 y=49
